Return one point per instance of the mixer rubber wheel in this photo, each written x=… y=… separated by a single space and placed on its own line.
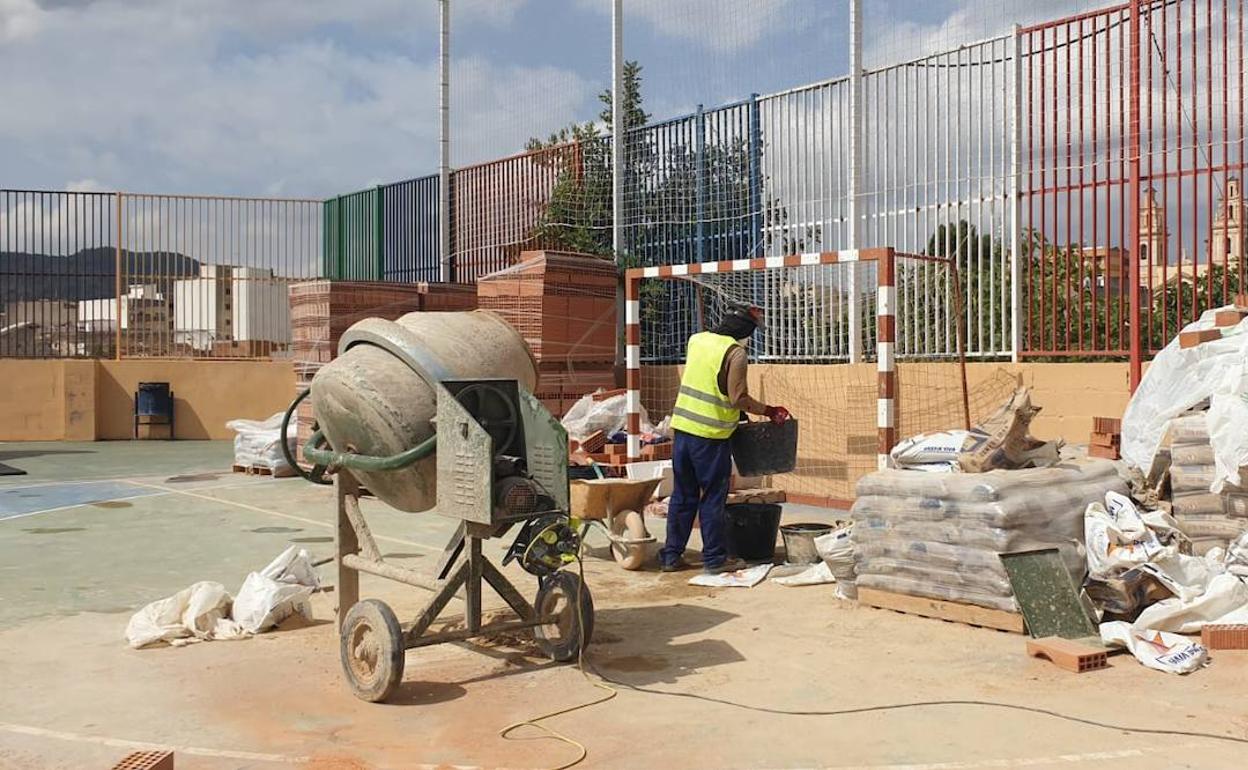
x=372 y=650
x=570 y=632
x=631 y=526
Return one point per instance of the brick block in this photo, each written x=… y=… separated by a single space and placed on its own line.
x=1241 y=301
x=1106 y=439
x=604 y=395
x=594 y=442
x=616 y=449
x=1068 y=654
x=1194 y=338
x=1106 y=425
x=1225 y=636
x=1104 y=452
x=146 y=760
x=1229 y=317
x=657 y=451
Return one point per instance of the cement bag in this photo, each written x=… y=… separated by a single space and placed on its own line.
x=938 y=449
x=1002 y=440
x=1117 y=538
x=1236 y=558
x=1163 y=651
x=258 y=443
x=1224 y=600
x=276 y=592
x=837 y=551
x=1228 y=427
x=1177 y=380
x=191 y=612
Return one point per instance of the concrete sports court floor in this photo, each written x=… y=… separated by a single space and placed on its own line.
x=96 y=530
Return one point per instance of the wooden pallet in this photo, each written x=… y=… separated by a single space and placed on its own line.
x=260 y=470
x=954 y=612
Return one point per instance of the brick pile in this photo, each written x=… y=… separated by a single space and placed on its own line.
x=563 y=305
x=320 y=311
x=1106 y=439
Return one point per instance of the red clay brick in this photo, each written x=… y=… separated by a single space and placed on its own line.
x=1106 y=425
x=146 y=760
x=1068 y=654
x=1104 y=452
x=1192 y=339
x=1229 y=317
x=1225 y=636
x=1106 y=439
x=594 y=442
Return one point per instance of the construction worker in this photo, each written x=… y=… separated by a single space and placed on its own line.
x=713 y=394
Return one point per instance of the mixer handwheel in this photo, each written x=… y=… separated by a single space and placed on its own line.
x=372 y=650
x=493 y=411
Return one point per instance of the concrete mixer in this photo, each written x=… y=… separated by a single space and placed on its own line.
x=434 y=412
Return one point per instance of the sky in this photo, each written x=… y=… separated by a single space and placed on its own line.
x=311 y=98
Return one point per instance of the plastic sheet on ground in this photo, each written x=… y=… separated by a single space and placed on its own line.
x=193 y=612
x=276 y=592
x=811 y=575
x=1160 y=650
x=742 y=578
x=258 y=443
x=1180 y=378
x=837 y=551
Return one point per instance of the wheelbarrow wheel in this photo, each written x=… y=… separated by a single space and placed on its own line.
x=631 y=526
x=566 y=601
x=372 y=650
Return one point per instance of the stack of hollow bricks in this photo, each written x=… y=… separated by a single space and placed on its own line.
x=320 y=311
x=1222 y=319
x=564 y=306
x=1106 y=439
x=886 y=329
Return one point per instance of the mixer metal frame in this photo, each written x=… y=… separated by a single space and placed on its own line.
x=373 y=642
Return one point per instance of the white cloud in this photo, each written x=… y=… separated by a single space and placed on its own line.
x=721 y=26
x=254 y=97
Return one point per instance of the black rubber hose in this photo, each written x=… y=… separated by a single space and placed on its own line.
x=286 y=453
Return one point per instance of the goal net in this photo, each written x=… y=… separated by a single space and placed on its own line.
x=907 y=377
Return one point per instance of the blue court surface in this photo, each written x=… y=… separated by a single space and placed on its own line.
x=16 y=502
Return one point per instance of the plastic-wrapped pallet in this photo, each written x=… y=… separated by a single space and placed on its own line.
x=1210 y=519
x=940 y=535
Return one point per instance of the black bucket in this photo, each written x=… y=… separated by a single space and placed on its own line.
x=752 y=530
x=763 y=448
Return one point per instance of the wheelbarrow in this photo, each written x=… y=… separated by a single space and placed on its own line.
x=615 y=505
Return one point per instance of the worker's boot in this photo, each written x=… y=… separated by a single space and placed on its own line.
x=728 y=565
x=680 y=565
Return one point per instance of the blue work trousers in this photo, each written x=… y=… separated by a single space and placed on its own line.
x=701 y=468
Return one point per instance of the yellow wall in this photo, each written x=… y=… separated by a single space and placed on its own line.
x=836 y=405
x=87 y=400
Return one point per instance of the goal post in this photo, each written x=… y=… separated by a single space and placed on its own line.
x=800 y=355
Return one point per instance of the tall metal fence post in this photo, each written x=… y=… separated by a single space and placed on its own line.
x=117 y=280
x=756 y=179
x=379 y=231
x=700 y=183
x=446 y=271
x=1133 y=190
x=855 y=176
x=617 y=164
x=1016 y=241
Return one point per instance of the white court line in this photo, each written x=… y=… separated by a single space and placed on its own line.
x=119 y=743
x=292 y=517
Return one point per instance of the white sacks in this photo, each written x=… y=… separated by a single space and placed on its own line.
x=940 y=535
x=276 y=592
x=193 y=612
x=1163 y=651
x=258 y=443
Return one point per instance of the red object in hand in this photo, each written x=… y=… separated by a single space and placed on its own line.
x=777 y=414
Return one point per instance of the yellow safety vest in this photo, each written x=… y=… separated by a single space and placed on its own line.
x=702 y=409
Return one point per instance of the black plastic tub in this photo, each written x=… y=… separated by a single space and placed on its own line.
x=752 y=530
x=763 y=448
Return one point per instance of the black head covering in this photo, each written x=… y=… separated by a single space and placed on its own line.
x=736 y=323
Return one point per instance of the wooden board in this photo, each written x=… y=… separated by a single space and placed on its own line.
x=260 y=470
x=942 y=610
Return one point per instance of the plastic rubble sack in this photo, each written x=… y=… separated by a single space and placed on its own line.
x=258 y=443
x=609 y=415
x=193 y=612
x=1002 y=440
x=1228 y=426
x=935 y=449
x=277 y=592
x=1158 y=650
x=1236 y=558
x=1179 y=379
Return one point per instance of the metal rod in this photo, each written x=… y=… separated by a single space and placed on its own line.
x=446 y=269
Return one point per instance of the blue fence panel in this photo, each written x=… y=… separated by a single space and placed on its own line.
x=410 y=231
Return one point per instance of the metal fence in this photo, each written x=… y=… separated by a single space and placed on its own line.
x=122 y=274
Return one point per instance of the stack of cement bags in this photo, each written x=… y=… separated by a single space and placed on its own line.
x=940 y=535
x=1208 y=518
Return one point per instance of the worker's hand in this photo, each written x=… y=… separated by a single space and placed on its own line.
x=777 y=414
